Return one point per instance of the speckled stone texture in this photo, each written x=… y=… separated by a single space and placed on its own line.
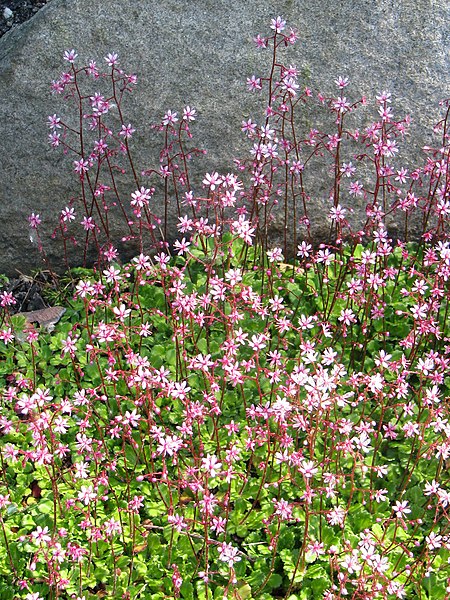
x=200 y=52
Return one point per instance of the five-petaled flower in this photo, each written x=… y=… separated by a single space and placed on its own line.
x=112 y=59
x=34 y=220
x=401 y=508
x=127 y=131
x=70 y=56
x=278 y=24
x=87 y=494
x=229 y=554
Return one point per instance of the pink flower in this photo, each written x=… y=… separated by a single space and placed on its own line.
x=258 y=342
x=229 y=554
x=401 y=509
x=181 y=246
x=341 y=104
x=69 y=346
x=99 y=104
x=243 y=229
x=304 y=250
x=189 y=114
x=208 y=504
x=347 y=316
x=179 y=390
x=127 y=131
x=162 y=259
x=283 y=509
x=81 y=166
x=234 y=276
x=92 y=69
x=68 y=214
x=88 y=223
x=348 y=169
x=141 y=262
x=356 y=189
x=170 y=118
x=34 y=221
x=169 y=445
x=112 y=527
x=58 y=552
x=248 y=127
x=110 y=253
x=325 y=257
x=211 y=465
x=308 y=469
x=40 y=535
x=86 y=494
x=212 y=180
x=4 y=500
x=70 y=56
x=54 y=139
x=141 y=197
x=112 y=59
x=431 y=488
x=383 y=359
x=290 y=86
x=131 y=418
x=178 y=522
x=275 y=255
x=278 y=24
x=316 y=548
x=254 y=83
x=84 y=288
x=341 y=82
x=336 y=516
x=385 y=113
x=122 y=312
x=112 y=275
x=389 y=148
x=380 y=495
x=6 y=335
x=444 y=497
x=337 y=213
x=218 y=524
x=434 y=541
x=260 y=42
x=54 y=122
x=136 y=503
x=384 y=97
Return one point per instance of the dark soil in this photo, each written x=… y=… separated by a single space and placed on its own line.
x=22 y=11
x=30 y=293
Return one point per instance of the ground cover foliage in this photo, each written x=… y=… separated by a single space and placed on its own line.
x=211 y=420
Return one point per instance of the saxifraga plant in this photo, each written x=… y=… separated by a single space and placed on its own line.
x=209 y=421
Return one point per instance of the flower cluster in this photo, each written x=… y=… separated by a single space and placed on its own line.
x=208 y=420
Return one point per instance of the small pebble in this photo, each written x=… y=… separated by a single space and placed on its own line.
x=7 y=13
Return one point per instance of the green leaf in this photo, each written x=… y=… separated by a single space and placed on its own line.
x=157 y=355
x=171 y=356
x=45 y=507
x=244 y=590
x=286 y=539
x=275 y=581
x=316 y=571
x=187 y=590
x=152 y=297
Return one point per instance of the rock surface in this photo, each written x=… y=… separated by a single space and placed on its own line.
x=197 y=52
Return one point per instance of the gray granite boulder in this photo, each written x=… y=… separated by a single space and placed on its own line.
x=198 y=53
